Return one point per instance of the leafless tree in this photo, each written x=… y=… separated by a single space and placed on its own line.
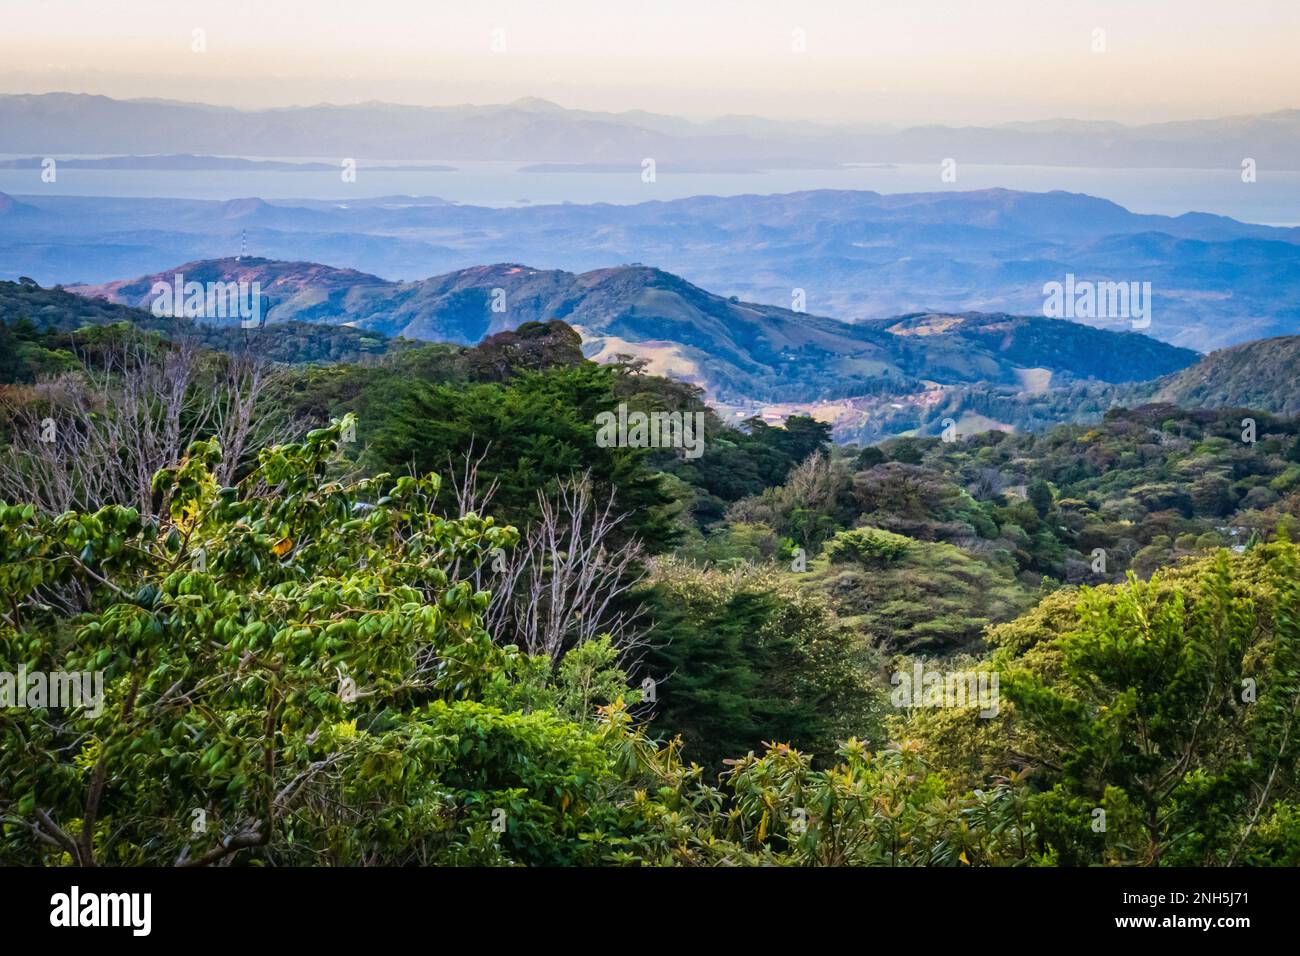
x=97 y=436
x=988 y=484
x=566 y=581
x=246 y=422
x=40 y=464
x=818 y=482
x=470 y=498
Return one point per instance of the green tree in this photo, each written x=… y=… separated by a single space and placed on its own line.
x=289 y=672
x=532 y=432
x=1040 y=496
x=745 y=657
x=1172 y=706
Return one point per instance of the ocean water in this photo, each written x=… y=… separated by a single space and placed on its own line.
x=1274 y=199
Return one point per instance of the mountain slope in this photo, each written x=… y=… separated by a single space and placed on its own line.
x=734 y=350
x=57 y=310
x=1261 y=375
x=299 y=291
x=1031 y=342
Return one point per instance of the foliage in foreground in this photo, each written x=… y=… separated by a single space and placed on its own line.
x=291 y=676
x=1157 y=721
x=294 y=675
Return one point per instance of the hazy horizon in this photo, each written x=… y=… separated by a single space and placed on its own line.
x=898 y=63
x=698 y=117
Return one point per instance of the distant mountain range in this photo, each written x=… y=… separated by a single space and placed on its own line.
x=913 y=373
x=737 y=351
x=854 y=254
x=535 y=130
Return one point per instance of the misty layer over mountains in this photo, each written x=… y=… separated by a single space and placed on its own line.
x=537 y=130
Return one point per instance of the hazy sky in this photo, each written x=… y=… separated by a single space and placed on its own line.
x=892 y=61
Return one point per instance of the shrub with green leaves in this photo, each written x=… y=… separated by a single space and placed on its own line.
x=870 y=547
x=292 y=675
x=746 y=656
x=1173 y=705
x=907 y=595
x=288 y=670
x=1156 y=721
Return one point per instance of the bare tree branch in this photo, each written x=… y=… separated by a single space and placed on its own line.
x=97 y=436
x=566 y=581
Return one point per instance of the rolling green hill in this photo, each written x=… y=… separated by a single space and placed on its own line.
x=27 y=305
x=1260 y=375
x=734 y=350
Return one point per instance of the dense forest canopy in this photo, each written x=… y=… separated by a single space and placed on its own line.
x=394 y=603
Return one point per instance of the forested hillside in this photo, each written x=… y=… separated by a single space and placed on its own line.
x=409 y=608
x=735 y=350
x=34 y=323
x=1254 y=375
